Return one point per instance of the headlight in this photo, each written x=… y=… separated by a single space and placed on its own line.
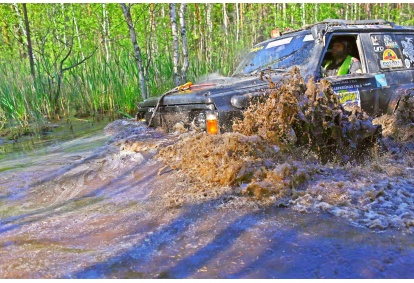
x=201 y=120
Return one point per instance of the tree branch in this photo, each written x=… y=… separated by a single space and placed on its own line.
x=80 y=62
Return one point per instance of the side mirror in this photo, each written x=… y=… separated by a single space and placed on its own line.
x=317 y=32
x=314 y=31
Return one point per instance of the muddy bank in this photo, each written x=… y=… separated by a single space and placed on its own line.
x=110 y=207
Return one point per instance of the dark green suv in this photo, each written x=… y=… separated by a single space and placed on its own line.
x=385 y=51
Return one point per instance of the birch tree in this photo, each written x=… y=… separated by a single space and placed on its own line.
x=137 y=51
x=105 y=29
x=237 y=21
x=173 y=19
x=20 y=31
x=77 y=31
x=153 y=41
x=225 y=23
x=202 y=36
x=210 y=35
x=184 y=43
x=62 y=5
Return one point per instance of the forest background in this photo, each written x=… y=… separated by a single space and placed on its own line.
x=71 y=59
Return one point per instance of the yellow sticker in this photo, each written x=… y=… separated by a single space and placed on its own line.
x=348 y=97
x=390 y=59
x=256 y=48
x=389 y=55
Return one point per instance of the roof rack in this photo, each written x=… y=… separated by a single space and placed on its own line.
x=345 y=23
x=342 y=23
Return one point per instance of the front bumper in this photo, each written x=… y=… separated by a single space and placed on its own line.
x=190 y=116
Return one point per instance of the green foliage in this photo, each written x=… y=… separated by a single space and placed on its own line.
x=64 y=34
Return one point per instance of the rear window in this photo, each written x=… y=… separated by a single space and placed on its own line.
x=393 y=51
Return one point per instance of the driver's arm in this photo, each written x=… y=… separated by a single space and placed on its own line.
x=355 y=67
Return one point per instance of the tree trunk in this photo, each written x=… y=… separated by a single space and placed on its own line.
x=237 y=22
x=105 y=30
x=303 y=14
x=137 y=51
x=347 y=11
x=62 y=5
x=368 y=9
x=164 y=29
x=225 y=23
x=173 y=19
x=241 y=17
x=20 y=31
x=210 y=35
x=77 y=31
x=184 y=68
x=153 y=33
x=355 y=11
x=201 y=51
x=29 y=43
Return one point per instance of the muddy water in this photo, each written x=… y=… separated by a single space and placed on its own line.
x=99 y=206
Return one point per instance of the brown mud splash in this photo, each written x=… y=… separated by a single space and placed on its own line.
x=310 y=115
x=301 y=148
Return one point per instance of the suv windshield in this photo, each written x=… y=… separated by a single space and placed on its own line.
x=277 y=55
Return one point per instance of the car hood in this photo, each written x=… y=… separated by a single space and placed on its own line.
x=211 y=90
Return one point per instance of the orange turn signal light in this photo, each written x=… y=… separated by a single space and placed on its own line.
x=212 y=122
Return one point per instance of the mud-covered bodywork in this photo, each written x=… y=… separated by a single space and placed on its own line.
x=385 y=51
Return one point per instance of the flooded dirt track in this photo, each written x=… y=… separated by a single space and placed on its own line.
x=107 y=207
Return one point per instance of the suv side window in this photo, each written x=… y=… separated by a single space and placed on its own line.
x=406 y=42
x=387 y=51
x=353 y=49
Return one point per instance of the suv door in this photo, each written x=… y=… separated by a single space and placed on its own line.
x=355 y=89
x=391 y=61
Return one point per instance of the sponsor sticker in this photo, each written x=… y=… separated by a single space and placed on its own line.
x=408 y=51
x=389 y=55
x=379 y=48
x=389 y=43
x=375 y=40
x=308 y=37
x=390 y=60
x=255 y=49
x=349 y=97
x=279 y=42
x=381 y=80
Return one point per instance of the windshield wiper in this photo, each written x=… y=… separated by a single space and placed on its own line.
x=241 y=75
x=269 y=70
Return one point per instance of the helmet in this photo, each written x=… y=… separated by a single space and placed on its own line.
x=346 y=42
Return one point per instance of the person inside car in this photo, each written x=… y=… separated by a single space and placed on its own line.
x=342 y=63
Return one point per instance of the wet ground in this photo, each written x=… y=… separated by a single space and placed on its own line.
x=105 y=206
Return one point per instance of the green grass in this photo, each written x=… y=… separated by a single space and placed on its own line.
x=98 y=86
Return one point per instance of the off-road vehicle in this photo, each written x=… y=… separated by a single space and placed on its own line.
x=386 y=53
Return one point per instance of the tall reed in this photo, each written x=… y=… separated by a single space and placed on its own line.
x=99 y=86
